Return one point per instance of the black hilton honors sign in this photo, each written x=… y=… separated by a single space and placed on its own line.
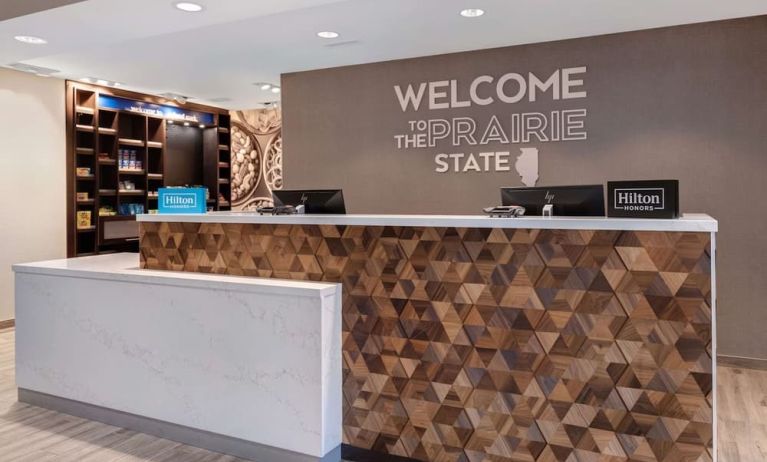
x=643 y=199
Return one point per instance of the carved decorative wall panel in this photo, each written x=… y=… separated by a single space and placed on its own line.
x=256 y=157
x=496 y=345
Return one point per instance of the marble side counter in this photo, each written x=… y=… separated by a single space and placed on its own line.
x=250 y=367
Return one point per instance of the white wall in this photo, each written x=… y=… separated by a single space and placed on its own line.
x=32 y=175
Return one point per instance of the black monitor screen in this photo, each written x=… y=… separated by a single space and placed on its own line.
x=320 y=201
x=572 y=201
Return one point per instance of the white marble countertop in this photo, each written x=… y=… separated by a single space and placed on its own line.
x=688 y=222
x=125 y=267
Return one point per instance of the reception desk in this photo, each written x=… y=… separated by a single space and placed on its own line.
x=469 y=338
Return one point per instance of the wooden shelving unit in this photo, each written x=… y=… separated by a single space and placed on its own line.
x=223 y=195
x=96 y=137
x=84 y=145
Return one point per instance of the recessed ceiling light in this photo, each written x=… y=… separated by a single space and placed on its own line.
x=472 y=13
x=97 y=81
x=189 y=7
x=202 y=126
x=276 y=89
x=328 y=34
x=31 y=40
x=266 y=86
x=186 y=124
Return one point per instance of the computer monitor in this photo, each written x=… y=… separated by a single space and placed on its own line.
x=573 y=201
x=318 y=201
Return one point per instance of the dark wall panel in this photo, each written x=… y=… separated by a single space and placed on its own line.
x=183 y=156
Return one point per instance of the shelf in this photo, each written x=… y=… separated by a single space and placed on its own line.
x=223 y=181
x=86 y=202
x=154 y=144
x=86 y=254
x=224 y=203
x=223 y=165
x=107 y=192
x=131 y=192
x=86 y=177
x=85 y=151
x=84 y=110
x=127 y=171
x=154 y=176
x=223 y=130
x=84 y=128
x=107 y=131
x=223 y=147
x=130 y=142
x=107 y=162
x=86 y=230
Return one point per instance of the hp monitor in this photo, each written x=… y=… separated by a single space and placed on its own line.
x=317 y=201
x=573 y=201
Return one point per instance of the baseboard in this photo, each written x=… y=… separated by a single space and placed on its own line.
x=353 y=454
x=179 y=433
x=7 y=324
x=742 y=362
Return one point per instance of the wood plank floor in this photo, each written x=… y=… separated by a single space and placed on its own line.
x=32 y=434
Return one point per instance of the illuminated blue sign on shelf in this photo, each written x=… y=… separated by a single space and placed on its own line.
x=158 y=110
x=181 y=200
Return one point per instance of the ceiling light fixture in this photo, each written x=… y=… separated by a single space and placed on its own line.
x=328 y=34
x=179 y=99
x=189 y=7
x=186 y=124
x=276 y=89
x=472 y=12
x=104 y=82
x=202 y=126
x=266 y=86
x=31 y=39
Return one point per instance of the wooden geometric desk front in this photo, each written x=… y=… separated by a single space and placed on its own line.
x=476 y=344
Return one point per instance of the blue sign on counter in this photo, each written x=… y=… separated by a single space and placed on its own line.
x=182 y=200
x=159 y=110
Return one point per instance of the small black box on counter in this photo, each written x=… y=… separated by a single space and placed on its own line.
x=643 y=199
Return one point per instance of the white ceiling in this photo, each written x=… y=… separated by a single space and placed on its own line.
x=150 y=46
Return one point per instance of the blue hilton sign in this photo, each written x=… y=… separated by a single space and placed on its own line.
x=182 y=200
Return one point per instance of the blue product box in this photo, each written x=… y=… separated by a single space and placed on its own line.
x=181 y=200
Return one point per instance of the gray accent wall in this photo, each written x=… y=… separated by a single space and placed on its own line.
x=686 y=102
